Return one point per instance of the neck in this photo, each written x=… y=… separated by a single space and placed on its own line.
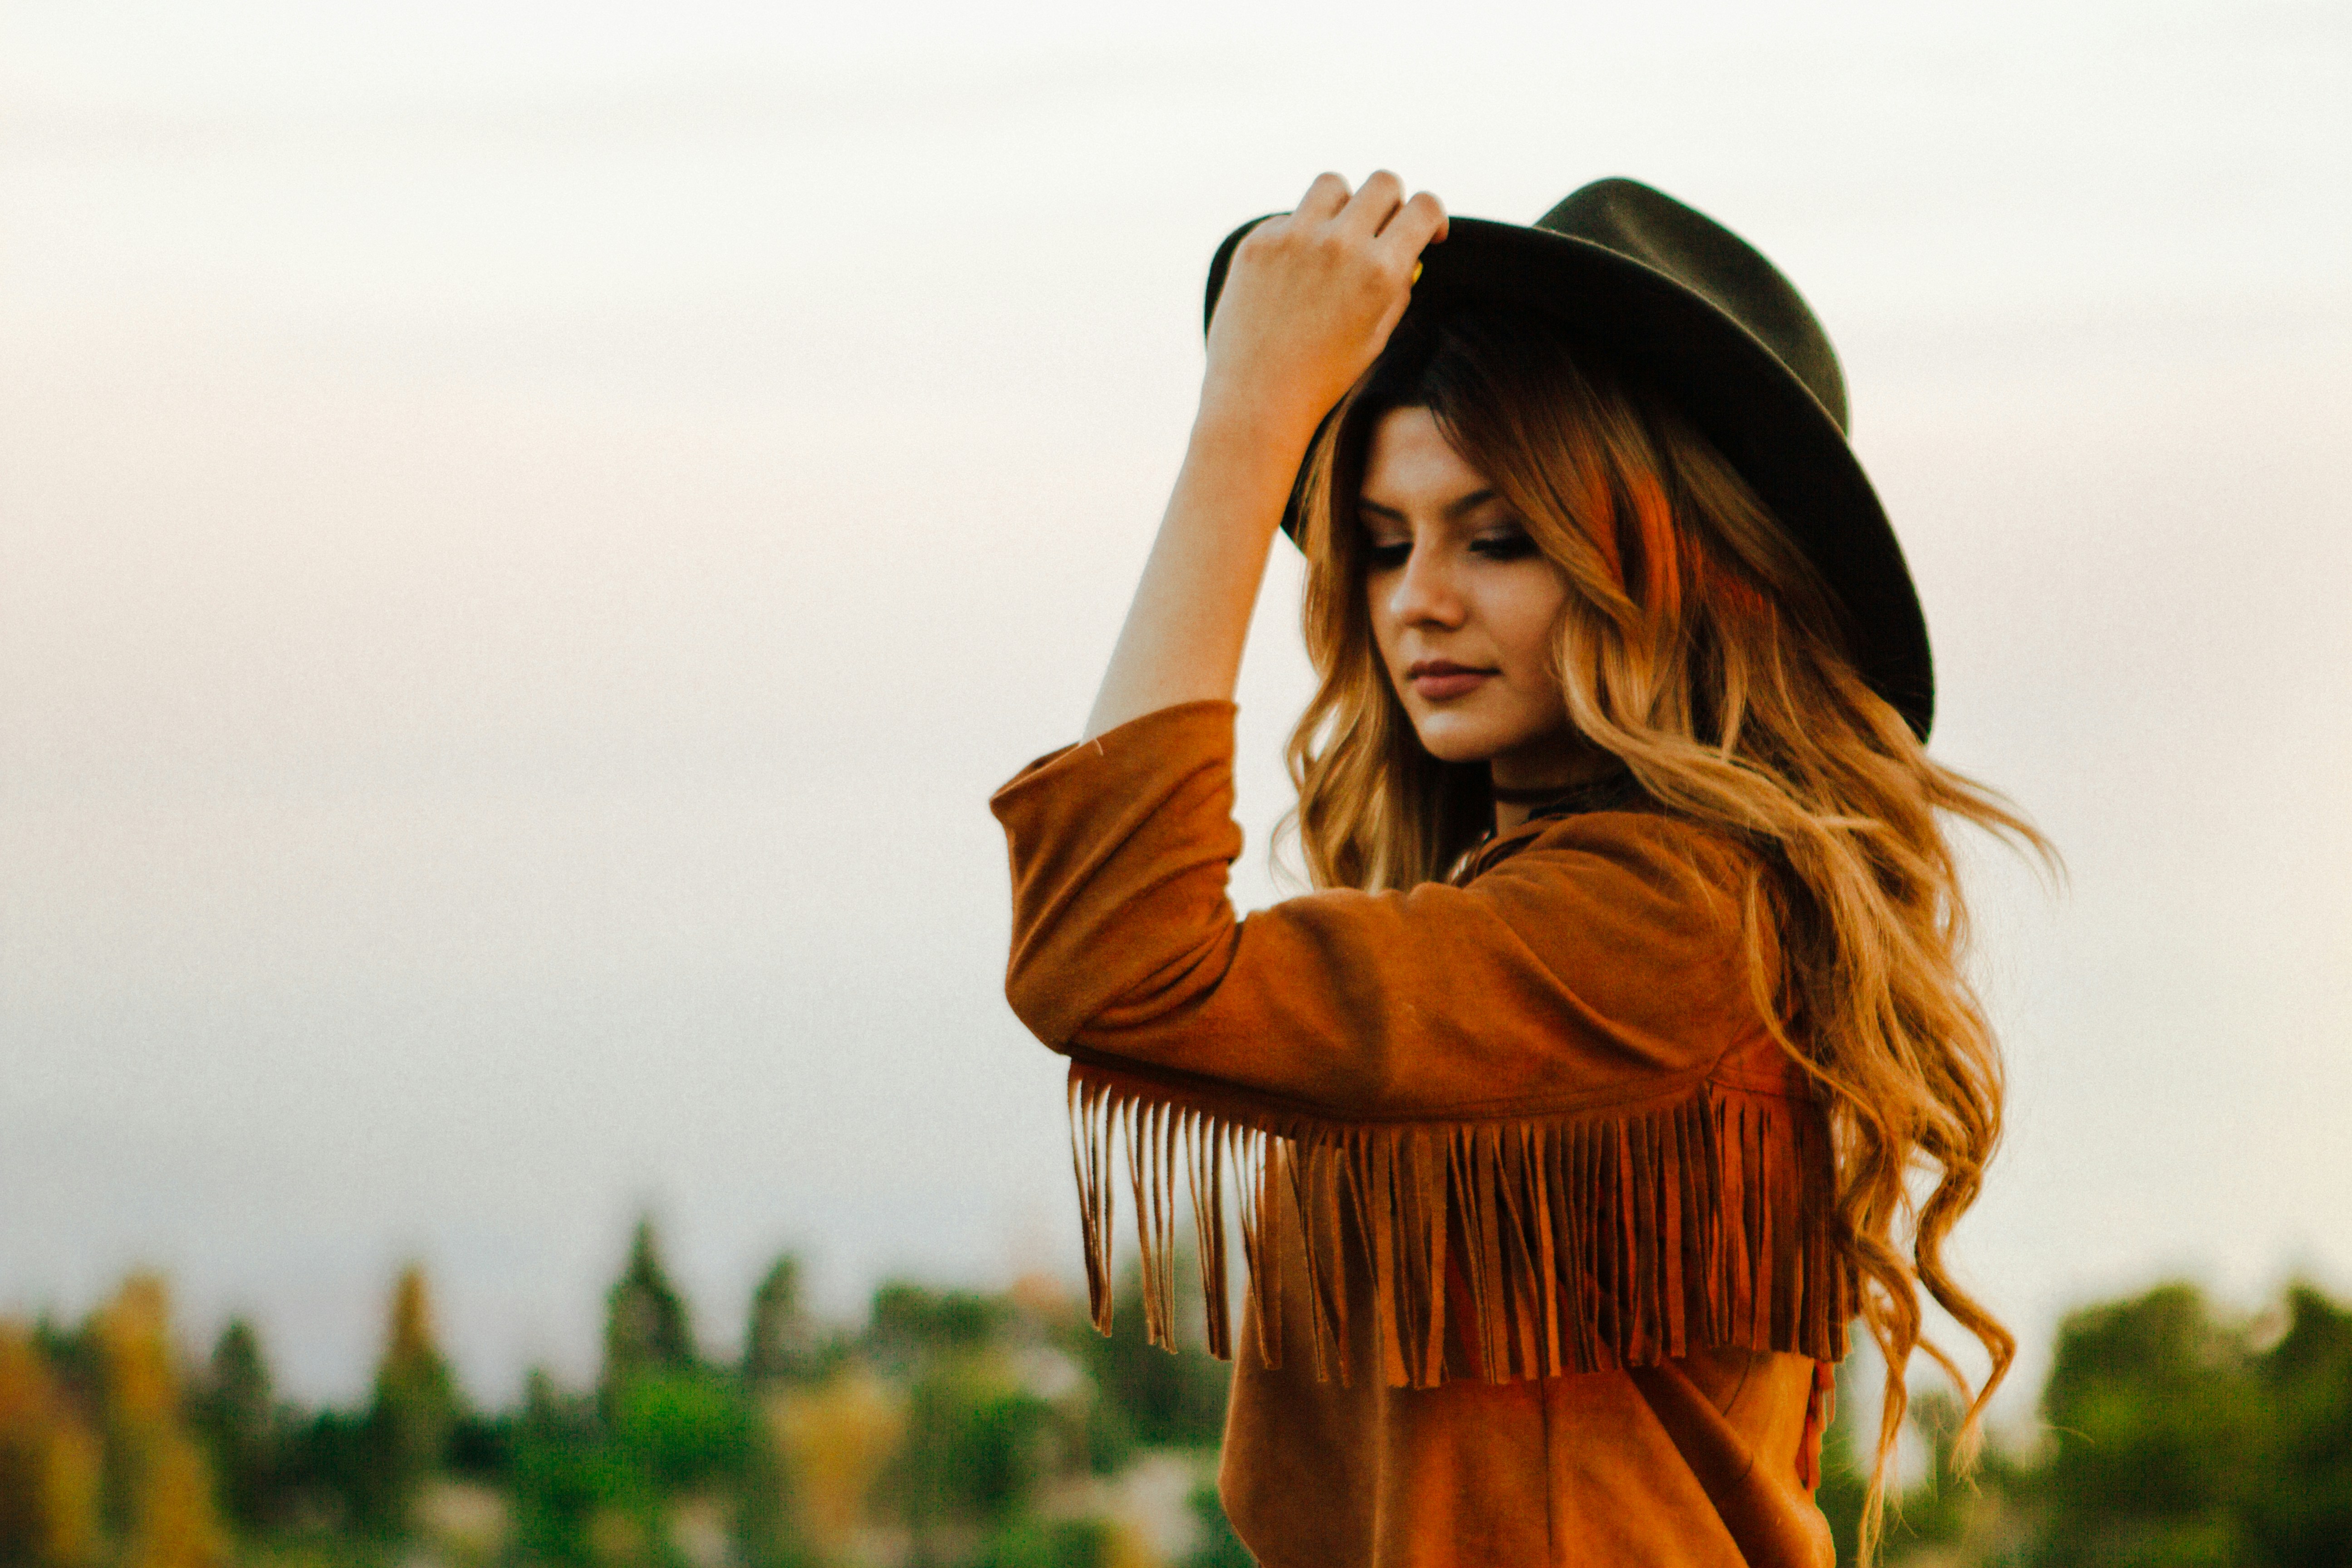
x=1520 y=787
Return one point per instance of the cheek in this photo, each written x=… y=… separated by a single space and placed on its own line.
x=1521 y=617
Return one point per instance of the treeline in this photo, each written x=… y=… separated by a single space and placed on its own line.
x=954 y=1428
x=963 y=1429
x=2173 y=1433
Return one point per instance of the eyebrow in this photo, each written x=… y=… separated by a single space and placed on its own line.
x=1452 y=510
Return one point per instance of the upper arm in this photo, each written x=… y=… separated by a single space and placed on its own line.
x=1573 y=972
x=1605 y=956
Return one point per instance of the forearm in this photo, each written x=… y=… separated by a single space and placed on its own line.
x=1185 y=630
x=1311 y=298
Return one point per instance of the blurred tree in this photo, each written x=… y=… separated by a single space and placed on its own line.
x=683 y=1430
x=234 y=1414
x=50 y=1464
x=645 y=1326
x=836 y=1441
x=782 y=1350
x=1846 y=1478
x=71 y=1478
x=768 y=1531
x=481 y=1445
x=781 y=1343
x=2300 y=1514
x=561 y=1491
x=415 y=1406
x=675 y=1434
x=561 y=1476
x=977 y=1442
x=165 y=1490
x=911 y=1325
x=1152 y=1398
x=2156 y=1431
x=177 y=1526
x=975 y=1449
x=328 y=1476
x=1052 y=1543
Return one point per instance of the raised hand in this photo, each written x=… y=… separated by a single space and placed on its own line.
x=1311 y=299
x=1307 y=306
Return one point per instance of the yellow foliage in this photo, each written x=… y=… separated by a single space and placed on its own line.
x=25 y=1389
x=134 y=1334
x=71 y=1474
x=176 y=1527
x=50 y=1464
x=174 y=1524
x=617 y=1536
x=1128 y=1549
x=409 y=1339
x=835 y=1442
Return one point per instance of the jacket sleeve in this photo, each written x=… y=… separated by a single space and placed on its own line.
x=1600 y=965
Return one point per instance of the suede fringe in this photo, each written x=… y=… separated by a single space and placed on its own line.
x=1572 y=1244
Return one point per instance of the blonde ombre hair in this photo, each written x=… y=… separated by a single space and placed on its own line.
x=1699 y=647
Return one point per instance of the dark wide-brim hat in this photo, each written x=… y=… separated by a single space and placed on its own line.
x=1699 y=314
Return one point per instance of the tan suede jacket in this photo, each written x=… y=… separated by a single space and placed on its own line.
x=1535 y=1211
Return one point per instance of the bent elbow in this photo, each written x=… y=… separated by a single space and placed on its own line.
x=1045 y=996
x=1035 y=1015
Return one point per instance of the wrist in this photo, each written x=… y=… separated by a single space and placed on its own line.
x=1275 y=430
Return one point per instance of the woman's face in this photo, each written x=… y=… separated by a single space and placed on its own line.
x=1464 y=608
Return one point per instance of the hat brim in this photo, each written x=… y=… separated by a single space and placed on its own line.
x=1759 y=414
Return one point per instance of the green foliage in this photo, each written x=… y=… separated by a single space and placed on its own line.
x=1845 y=1467
x=2302 y=1516
x=780 y=1345
x=558 y=1488
x=2175 y=1435
x=2182 y=1438
x=768 y=1532
x=560 y=1476
x=330 y=1473
x=975 y=1449
x=2155 y=1435
x=232 y=1410
x=1155 y=1398
x=682 y=1429
x=481 y=1448
x=1035 y=1543
x=1220 y=1547
x=646 y=1326
x=912 y=1325
x=416 y=1408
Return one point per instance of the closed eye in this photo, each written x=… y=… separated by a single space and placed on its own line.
x=1507 y=545
x=1386 y=555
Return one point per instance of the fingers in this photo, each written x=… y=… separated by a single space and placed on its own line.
x=1369 y=211
x=1375 y=222
x=1324 y=199
x=1418 y=224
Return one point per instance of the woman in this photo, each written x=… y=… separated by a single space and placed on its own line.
x=1571 y=1114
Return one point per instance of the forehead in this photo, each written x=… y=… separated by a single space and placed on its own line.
x=1409 y=467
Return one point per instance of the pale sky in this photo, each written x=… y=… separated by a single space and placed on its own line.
x=527 y=533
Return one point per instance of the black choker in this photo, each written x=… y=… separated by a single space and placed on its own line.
x=1613 y=790
x=1542 y=794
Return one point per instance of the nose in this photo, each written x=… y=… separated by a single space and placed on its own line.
x=1425 y=591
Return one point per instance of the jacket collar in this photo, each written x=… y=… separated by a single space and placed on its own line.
x=1613 y=792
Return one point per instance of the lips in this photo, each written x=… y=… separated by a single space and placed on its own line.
x=1438 y=679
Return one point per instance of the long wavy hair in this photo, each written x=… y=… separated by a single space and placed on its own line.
x=1699 y=647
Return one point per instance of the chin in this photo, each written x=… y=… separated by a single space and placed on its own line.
x=1446 y=738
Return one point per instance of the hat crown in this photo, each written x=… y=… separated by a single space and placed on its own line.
x=1649 y=226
